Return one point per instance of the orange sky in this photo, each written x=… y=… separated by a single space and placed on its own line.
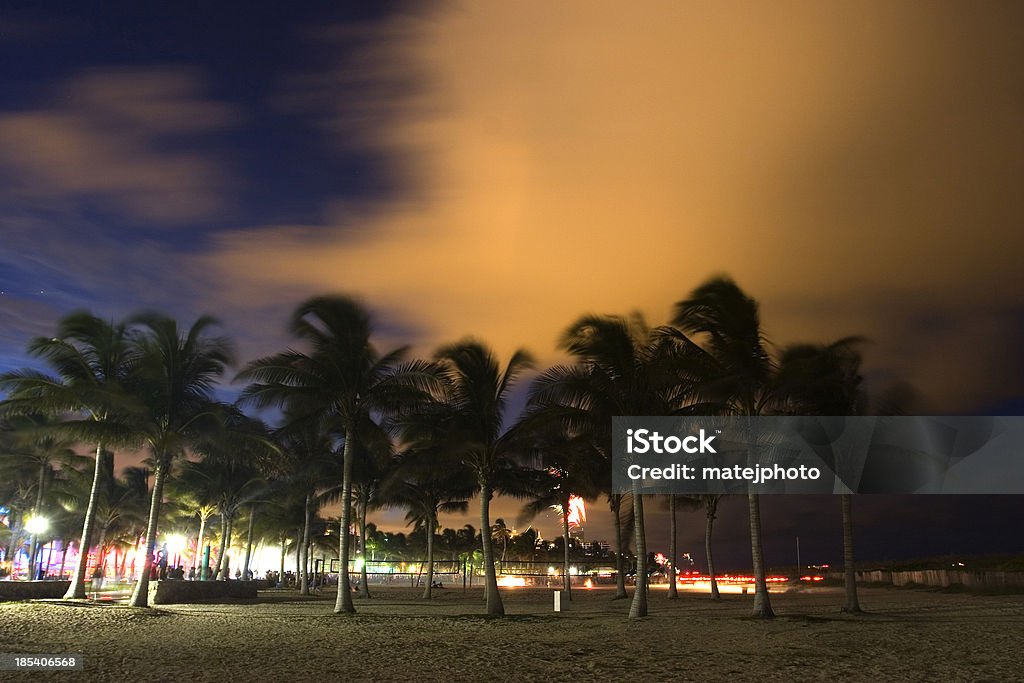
x=851 y=165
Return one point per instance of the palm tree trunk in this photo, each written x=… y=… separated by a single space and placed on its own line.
x=63 y=556
x=37 y=512
x=566 y=579
x=140 y=596
x=304 y=546
x=494 y=604
x=672 y=549
x=77 y=588
x=199 y=541
x=711 y=505
x=248 y=543
x=284 y=551
x=364 y=586
x=638 y=608
x=217 y=573
x=427 y=593
x=308 y=567
x=227 y=550
x=762 y=604
x=343 y=604
x=850 y=575
x=615 y=501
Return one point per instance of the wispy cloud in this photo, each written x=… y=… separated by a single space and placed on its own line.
x=130 y=141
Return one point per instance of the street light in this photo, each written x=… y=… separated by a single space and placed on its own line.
x=37 y=525
x=176 y=543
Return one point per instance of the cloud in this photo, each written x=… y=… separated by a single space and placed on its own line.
x=852 y=166
x=126 y=140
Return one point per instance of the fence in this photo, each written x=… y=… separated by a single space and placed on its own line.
x=940 y=578
x=387 y=572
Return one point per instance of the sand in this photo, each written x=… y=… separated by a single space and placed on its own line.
x=909 y=635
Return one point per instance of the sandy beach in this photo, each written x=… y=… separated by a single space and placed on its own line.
x=909 y=635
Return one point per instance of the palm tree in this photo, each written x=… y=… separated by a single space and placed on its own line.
x=569 y=467
x=174 y=382
x=501 y=532
x=428 y=481
x=621 y=369
x=200 y=501
x=563 y=394
x=92 y=359
x=477 y=394
x=137 y=480
x=231 y=483
x=825 y=380
x=710 y=502
x=309 y=460
x=339 y=381
x=676 y=501
x=374 y=455
x=734 y=374
x=34 y=448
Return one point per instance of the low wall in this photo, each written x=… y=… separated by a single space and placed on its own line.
x=941 y=578
x=171 y=592
x=32 y=590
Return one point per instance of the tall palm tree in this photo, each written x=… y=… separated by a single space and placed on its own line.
x=478 y=390
x=734 y=374
x=92 y=358
x=622 y=369
x=174 y=382
x=342 y=378
x=710 y=502
x=825 y=380
x=676 y=501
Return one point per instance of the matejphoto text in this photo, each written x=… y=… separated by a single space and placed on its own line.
x=754 y=474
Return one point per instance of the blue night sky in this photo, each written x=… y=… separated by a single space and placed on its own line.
x=498 y=169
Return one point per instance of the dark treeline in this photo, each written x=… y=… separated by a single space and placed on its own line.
x=364 y=429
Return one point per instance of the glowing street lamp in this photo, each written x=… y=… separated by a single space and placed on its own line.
x=37 y=525
x=176 y=543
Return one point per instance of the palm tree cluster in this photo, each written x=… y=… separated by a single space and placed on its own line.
x=363 y=429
